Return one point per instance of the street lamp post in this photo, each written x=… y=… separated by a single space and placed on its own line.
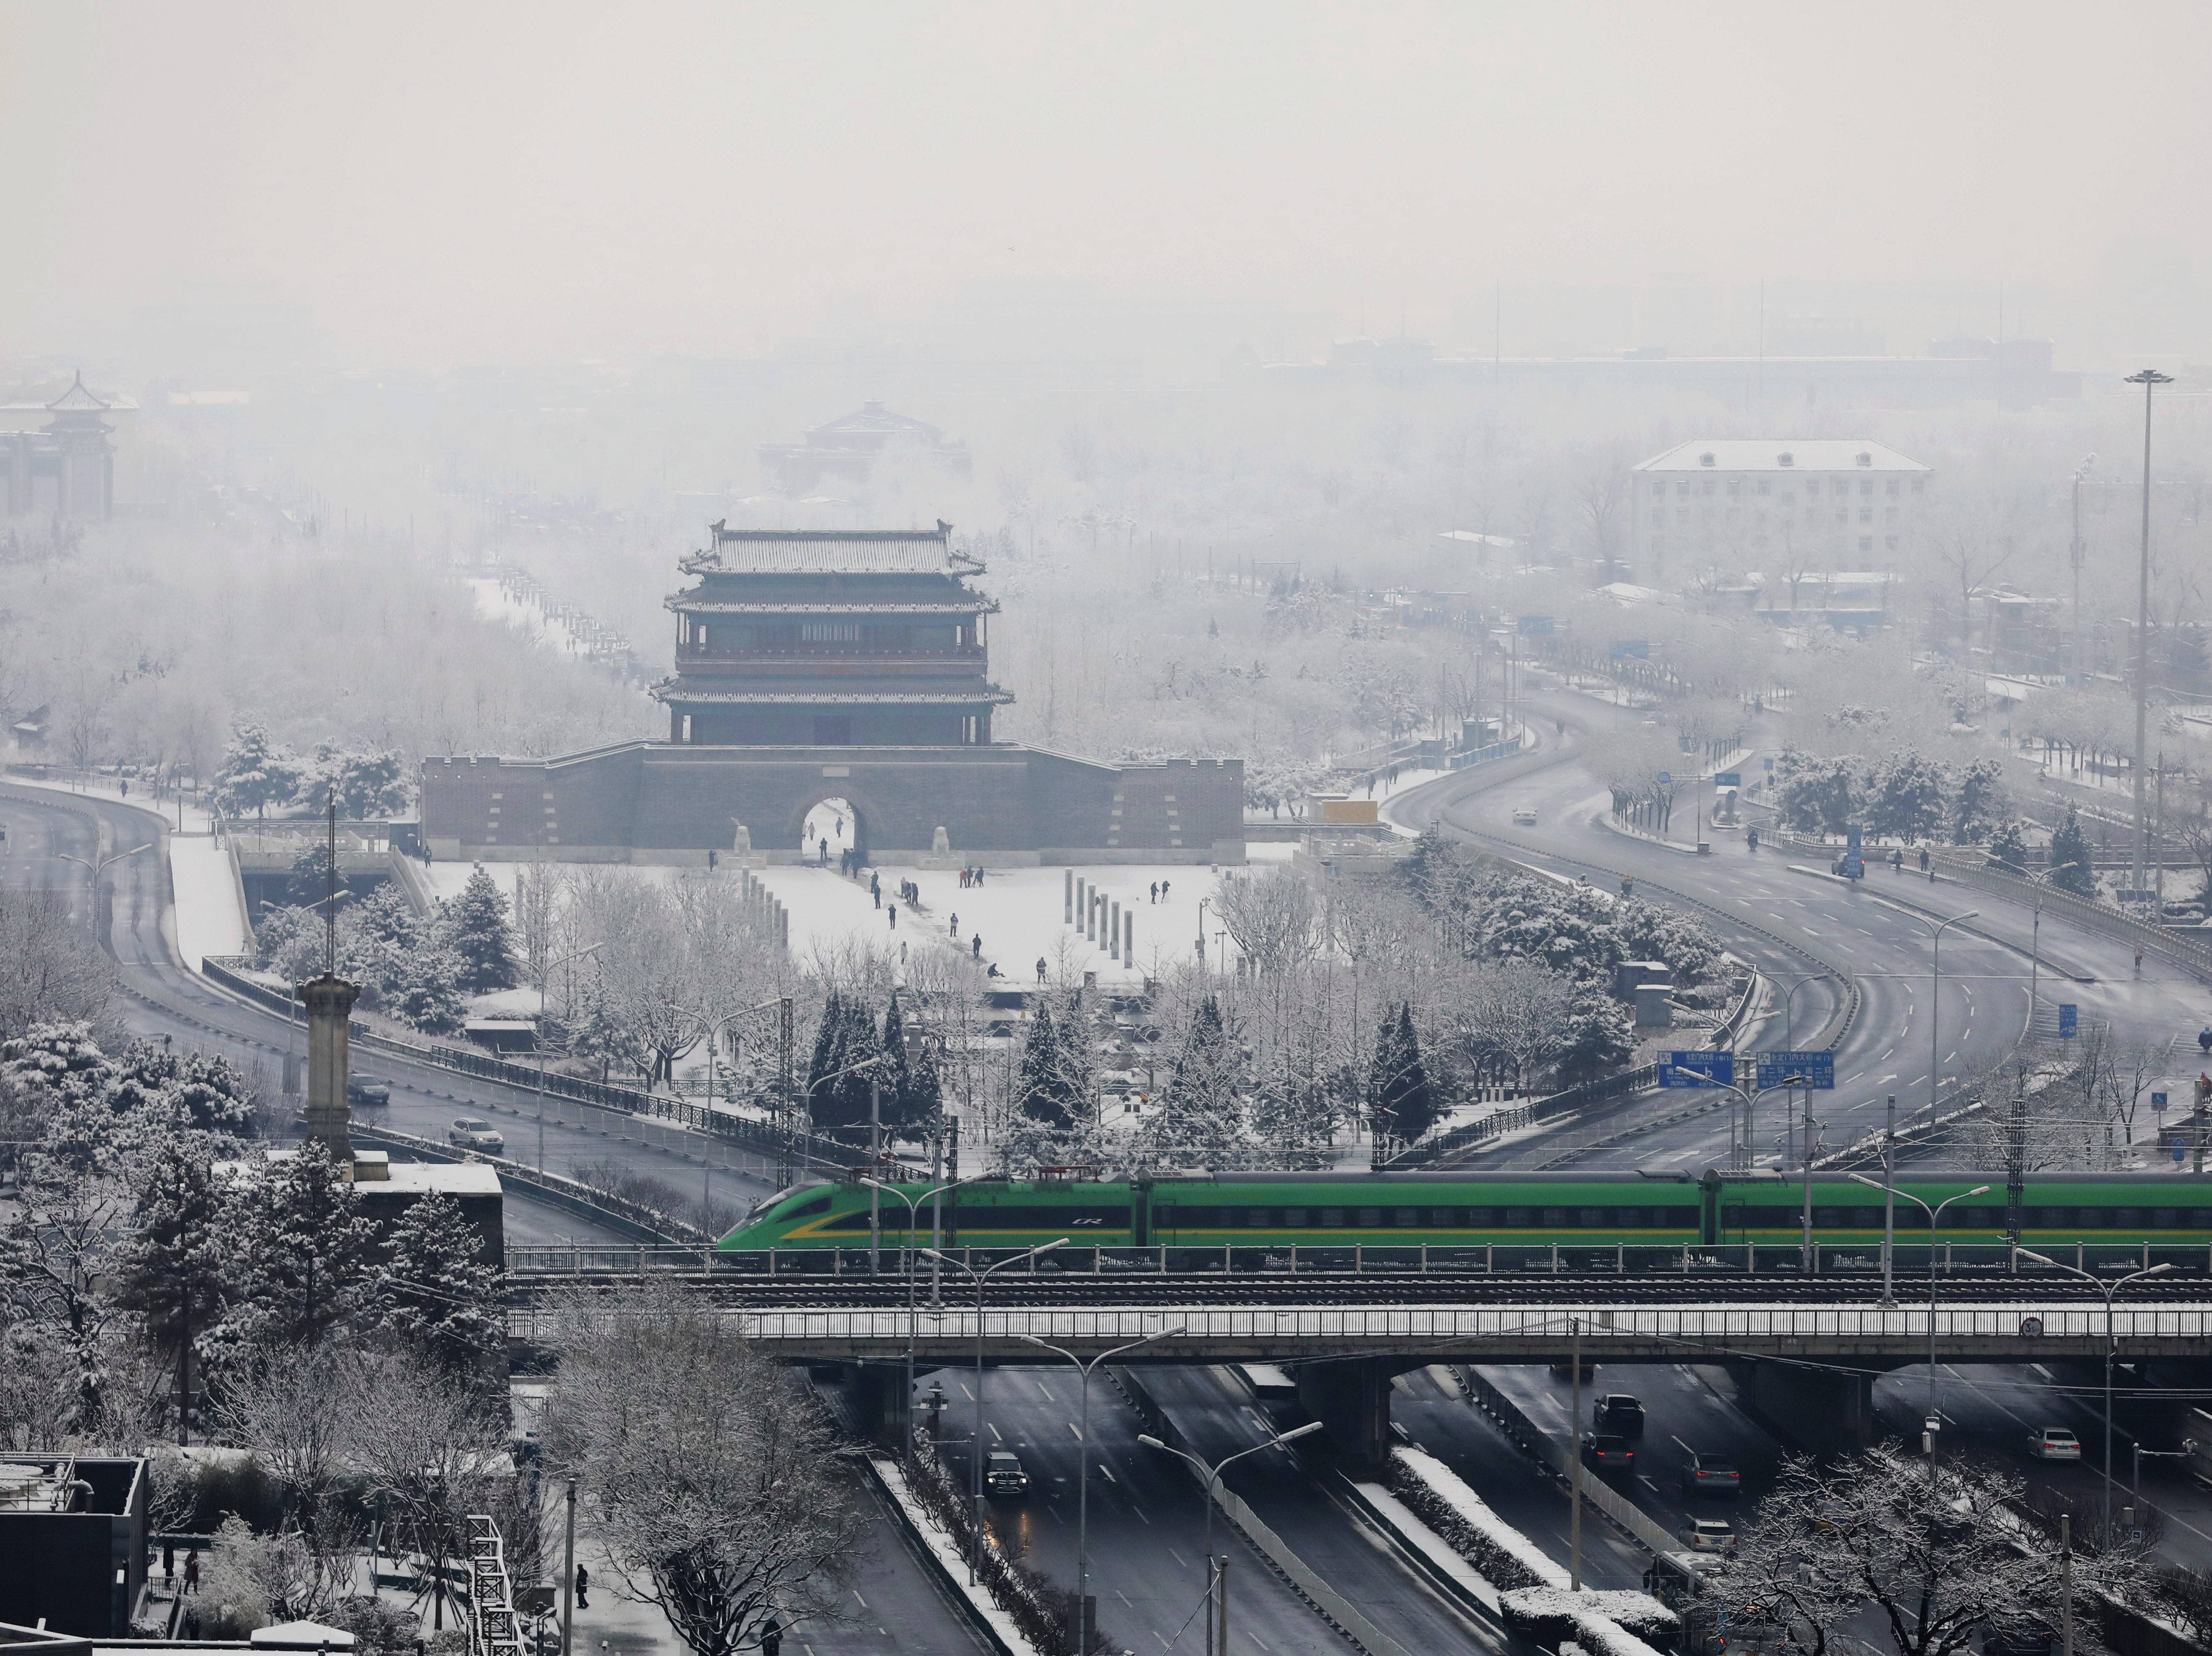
x=975 y=1453
x=2042 y=883
x=1935 y=1217
x=1935 y=1002
x=97 y=865
x=1083 y=1480
x=1212 y=1476
x=2110 y=1291
x=576 y=955
x=2075 y=551
x=875 y=1196
x=1798 y=980
x=913 y=1312
x=2149 y=379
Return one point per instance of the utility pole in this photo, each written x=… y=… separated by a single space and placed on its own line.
x=2149 y=379
x=568 y=1576
x=1575 y=1457
x=788 y=1109
x=2075 y=552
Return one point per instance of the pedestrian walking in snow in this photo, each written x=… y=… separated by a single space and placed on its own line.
x=1041 y=979
x=979 y=946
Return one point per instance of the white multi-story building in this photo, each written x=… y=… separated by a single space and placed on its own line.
x=1762 y=502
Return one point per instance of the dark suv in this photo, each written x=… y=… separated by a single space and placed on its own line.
x=1003 y=1474
x=1609 y=1452
x=1617 y=1411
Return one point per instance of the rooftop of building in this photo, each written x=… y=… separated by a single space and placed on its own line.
x=872 y=419
x=832 y=552
x=1779 y=454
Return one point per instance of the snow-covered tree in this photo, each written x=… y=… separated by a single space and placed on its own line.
x=51 y=972
x=1399 y=1098
x=369 y=787
x=441 y=1295
x=475 y=926
x=2009 y=847
x=1907 y=801
x=2072 y=858
x=1200 y=1119
x=1943 y=1569
x=256 y=773
x=169 y=1271
x=297 y=1256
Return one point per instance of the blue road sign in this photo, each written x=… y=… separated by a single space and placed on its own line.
x=1727 y=780
x=2069 y=1018
x=2157 y=1103
x=1697 y=1070
x=1535 y=626
x=1666 y=777
x=1770 y=764
x=1640 y=648
x=1816 y=1070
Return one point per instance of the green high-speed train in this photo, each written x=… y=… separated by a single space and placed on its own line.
x=1452 y=1209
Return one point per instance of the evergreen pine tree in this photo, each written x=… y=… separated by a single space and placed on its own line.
x=1398 y=1090
x=1046 y=1095
x=170 y=1271
x=2008 y=848
x=296 y=1256
x=255 y=772
x=477 y=928
x=441 y=1296
x=2071 y=857
x=925 y=1089
x=1201 y=1117
x=897 y=1075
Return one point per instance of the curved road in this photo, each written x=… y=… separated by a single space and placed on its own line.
x=1787 y=924
x=160 y=997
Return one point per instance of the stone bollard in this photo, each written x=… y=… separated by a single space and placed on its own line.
x=1066 y=897
x=1113 y=933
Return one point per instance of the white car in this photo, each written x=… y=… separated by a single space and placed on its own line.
x=1710 y=1535
x=1524 y=816
x=469 y=1132
x=2054 y=1443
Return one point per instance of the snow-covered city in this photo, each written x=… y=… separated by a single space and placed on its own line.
x=1015 y=831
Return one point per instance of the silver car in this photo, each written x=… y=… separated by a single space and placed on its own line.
x=470 y=1132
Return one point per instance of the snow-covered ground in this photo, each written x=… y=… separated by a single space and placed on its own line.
x=210 y=912
x=494 y=603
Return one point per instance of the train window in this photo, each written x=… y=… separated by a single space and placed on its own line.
x=1332 y=1218
x=1591 y=1218
x=1515 y=1217
x=1259 y=1218
x=1410 y=1218
x=1555 y=1218
x=2127 y=1218
x=1866 y=1218
x=1446 y=1218
x=806 y=1211
x=1828 y=1218
x=1294 y=1218
x=1628 y=1218
x=1732 y=1215
x=2201 y=1218
x=1371 y=1218
x=2052 y=1218
x=1478 y=1218
x=2165 y=1219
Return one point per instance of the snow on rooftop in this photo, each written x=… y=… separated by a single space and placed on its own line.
x=1780 y=454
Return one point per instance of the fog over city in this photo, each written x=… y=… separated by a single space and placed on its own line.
x=908 y=827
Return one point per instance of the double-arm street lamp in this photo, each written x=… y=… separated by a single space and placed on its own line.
x=975 y=1457
x=1217 y=1619
x=913 y=1224
x=1935 y=1000
x=2110 y=1291
x=875 y=1148
x=1935 y=1217
x=97 y=865
x=1083 y=1483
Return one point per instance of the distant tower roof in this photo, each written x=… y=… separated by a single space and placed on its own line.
x=77 y=400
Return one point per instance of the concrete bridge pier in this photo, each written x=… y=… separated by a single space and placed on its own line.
x=1352 y=1400
x=1824 y=1410
x=879 y=1400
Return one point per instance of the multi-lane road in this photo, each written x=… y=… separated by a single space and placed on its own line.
x=1788 y=924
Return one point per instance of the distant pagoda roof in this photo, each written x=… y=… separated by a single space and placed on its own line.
x=77 y=400
x=873 y=420
x=832 y=552
x=691 y=604
x=691 y=691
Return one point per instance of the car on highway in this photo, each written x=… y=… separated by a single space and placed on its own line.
x=367 y=1093
x=470 y=1132
x=1709 y=1474
x=2054 y=1443
x=1618 y=1412
x=1003 y=1474
x=1609 y=1452
x=1524 y=816
x=1710 y=1535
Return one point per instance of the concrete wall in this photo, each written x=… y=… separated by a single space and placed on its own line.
x=660 y=803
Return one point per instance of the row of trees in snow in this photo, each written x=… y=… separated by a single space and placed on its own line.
x=1387 y=1005
x=259 y=775
x=419 y=969
x=1903 y=795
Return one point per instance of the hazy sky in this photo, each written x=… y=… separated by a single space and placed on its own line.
x=470 y=182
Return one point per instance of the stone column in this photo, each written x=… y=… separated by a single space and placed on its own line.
x=329 y=1002
x=1129 y=936
x=1114 y=932
x=1352 y=1399
x=1067 y=896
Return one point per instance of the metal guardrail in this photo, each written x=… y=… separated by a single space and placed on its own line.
x=571 y=1192
x=760 y=1136
x=1475 y=1134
